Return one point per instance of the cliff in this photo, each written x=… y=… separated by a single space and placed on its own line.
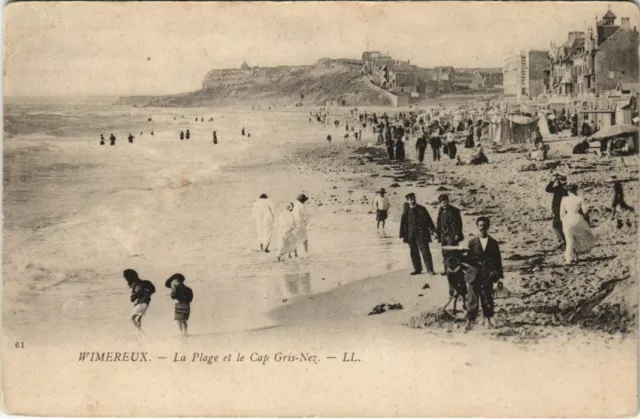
x=327 y=80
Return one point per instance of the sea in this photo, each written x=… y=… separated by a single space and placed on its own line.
x=76 y=214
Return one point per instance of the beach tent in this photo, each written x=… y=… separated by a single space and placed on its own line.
x=523 y=128
x=543 y=125
x=500 y=131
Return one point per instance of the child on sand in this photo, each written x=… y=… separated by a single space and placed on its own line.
x=141 y=291
x=183 y=296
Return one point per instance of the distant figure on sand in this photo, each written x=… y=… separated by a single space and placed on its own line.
x=416 y=227
x=575 y=225
x=556 y=186
x=485 y=258
x=101 y=139
x=264 y=213
x=215 y=137
x=181 y=135
x=329 y=139
x=421 y=147
x=618 y=199
x=141 y=292
x=112 y=139
x=301 y=221
x=130 y=138
x=400 y=150
x=183 y=296
x=286 y=237
x=242 y=130
x=448 y=227
x=381 y=205
x=153 y=133
x=188 y=135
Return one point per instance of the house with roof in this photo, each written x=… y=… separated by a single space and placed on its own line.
x=588 y=64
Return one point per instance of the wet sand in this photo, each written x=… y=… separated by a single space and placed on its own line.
x=176 y=207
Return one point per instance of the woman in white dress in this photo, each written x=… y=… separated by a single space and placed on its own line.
x=286 y=236
x=264 y=214
x=579 y=236
x=301 y=220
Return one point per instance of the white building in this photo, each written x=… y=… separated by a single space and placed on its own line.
x=523 y=75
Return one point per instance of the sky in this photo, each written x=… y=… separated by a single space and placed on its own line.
x=159 y=48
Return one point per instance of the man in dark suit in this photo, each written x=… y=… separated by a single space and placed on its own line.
x=486 y=261
x=557 y=187
x=416 y=227
x=448 y=227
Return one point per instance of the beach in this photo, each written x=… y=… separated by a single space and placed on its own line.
x=76 y=214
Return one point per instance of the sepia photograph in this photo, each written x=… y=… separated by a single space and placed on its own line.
x=334 y=209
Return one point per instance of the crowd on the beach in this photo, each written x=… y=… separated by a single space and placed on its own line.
x=472 y=271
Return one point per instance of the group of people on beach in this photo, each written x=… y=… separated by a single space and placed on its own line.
x=471 y=272
x=290 y=226
x=142 y=290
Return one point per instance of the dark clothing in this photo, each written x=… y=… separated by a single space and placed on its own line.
x=457 y=286
x=618 y=198
x=469 y=141
x=182 y=294
x=381 y=215
x=390 y=149
x=480 y=293
x=112 y=138
x=436 y=154
x=558 y=192
x=416 y=223
x=448 y=230
x=449 y=226
x=420 y=246
x=415 y=229
x=400 y=150
x=581 y=148
x=452 y=150
x=421 y=146
x=487 y=269
x=141 y=292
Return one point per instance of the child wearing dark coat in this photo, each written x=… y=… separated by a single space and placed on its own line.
x=183 y=296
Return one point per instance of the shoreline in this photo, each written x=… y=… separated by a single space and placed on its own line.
x=543 y=297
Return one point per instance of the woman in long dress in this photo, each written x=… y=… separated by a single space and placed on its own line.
x=301 y=221
x=286 y=236
x=579 y=236
x=264 y=214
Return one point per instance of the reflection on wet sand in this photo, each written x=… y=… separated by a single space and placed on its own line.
x=298 y=283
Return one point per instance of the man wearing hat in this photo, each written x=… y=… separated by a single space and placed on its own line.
x=557 y=187
x=381 y=205
x=416 y=227
x=448 y=227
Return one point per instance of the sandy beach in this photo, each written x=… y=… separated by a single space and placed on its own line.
x=77 y=214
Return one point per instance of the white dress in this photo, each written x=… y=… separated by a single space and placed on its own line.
x=286 y=237
x=301 y=221
x=264 y=214
x=578 y=234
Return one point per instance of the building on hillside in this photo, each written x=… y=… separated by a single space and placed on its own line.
x=588 y=64
x=523 y=75
x=377 y=67
x=404 y=78
x=245 y=66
